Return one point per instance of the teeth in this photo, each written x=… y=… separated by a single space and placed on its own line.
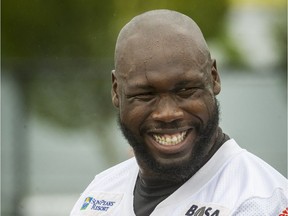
x=167 y=139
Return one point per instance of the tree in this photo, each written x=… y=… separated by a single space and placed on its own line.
x=61 y=52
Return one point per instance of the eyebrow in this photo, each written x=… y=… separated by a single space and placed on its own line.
x=141 y=86
x=182 y=83
x=147 y=87
x=195 y=80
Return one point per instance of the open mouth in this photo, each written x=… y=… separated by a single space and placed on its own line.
x=164 y=142
x=170 y=139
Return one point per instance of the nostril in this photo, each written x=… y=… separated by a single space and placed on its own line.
x=167 y=115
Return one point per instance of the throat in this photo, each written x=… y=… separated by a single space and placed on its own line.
x=157 y=186
x=148 y=194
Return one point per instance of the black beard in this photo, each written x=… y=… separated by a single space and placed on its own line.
x=179 y=172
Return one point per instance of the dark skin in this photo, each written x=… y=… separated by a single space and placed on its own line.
x=164 y=86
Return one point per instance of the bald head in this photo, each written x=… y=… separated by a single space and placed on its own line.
x=160 y=28
x=164 y=85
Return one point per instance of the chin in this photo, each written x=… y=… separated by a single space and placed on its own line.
x=173 y=160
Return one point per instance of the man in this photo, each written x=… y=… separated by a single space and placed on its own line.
x=165 y=85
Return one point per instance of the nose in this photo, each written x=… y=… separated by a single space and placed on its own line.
x=167 y=110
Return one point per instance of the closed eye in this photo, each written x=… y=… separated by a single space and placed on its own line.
x=186 y=92
x=143 y=97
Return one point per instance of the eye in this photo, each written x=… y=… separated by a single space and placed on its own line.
x=145 y=97
x=186 y=92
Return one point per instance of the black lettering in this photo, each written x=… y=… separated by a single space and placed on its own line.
x=200 y=211
x=207 y=211
x=216 y=213
x=191 y=211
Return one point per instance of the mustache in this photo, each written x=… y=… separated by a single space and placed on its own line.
x=174 y=125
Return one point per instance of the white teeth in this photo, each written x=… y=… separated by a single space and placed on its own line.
x=167 y=139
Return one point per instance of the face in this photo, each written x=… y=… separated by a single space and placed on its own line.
x=167 y=107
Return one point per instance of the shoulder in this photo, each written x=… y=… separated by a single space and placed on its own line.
x=256 y=186
x=115 y=179
x=119 y=171
x=243 y=166
x=109 y=185
x=255 y=172
x=119 y=168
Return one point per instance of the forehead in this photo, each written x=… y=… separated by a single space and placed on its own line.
x=151 y=51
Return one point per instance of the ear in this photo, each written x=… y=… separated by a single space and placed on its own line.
x=215 y=78
x=114 y=90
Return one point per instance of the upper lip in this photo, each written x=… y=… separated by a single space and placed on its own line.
x=168 y=130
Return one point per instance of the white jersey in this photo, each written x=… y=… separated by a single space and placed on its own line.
x=232 y=182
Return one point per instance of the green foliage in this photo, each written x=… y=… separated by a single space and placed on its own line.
x=61 y=52
x=44 y=29
x=72 y=94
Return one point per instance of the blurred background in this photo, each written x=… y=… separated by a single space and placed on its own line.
x=58 y=127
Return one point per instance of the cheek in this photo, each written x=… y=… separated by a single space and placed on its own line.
x=200 y=106
x=132 y=115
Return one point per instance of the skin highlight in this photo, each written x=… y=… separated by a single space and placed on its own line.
x=164 y=85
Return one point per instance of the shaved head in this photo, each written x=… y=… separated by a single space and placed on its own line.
x=161 y=28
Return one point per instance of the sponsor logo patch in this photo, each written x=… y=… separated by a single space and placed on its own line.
x=100 y=203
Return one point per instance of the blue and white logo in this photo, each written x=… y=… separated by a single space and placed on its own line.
x=101 y=202
x=86 y=203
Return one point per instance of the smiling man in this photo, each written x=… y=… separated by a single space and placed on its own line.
x=165 y=85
